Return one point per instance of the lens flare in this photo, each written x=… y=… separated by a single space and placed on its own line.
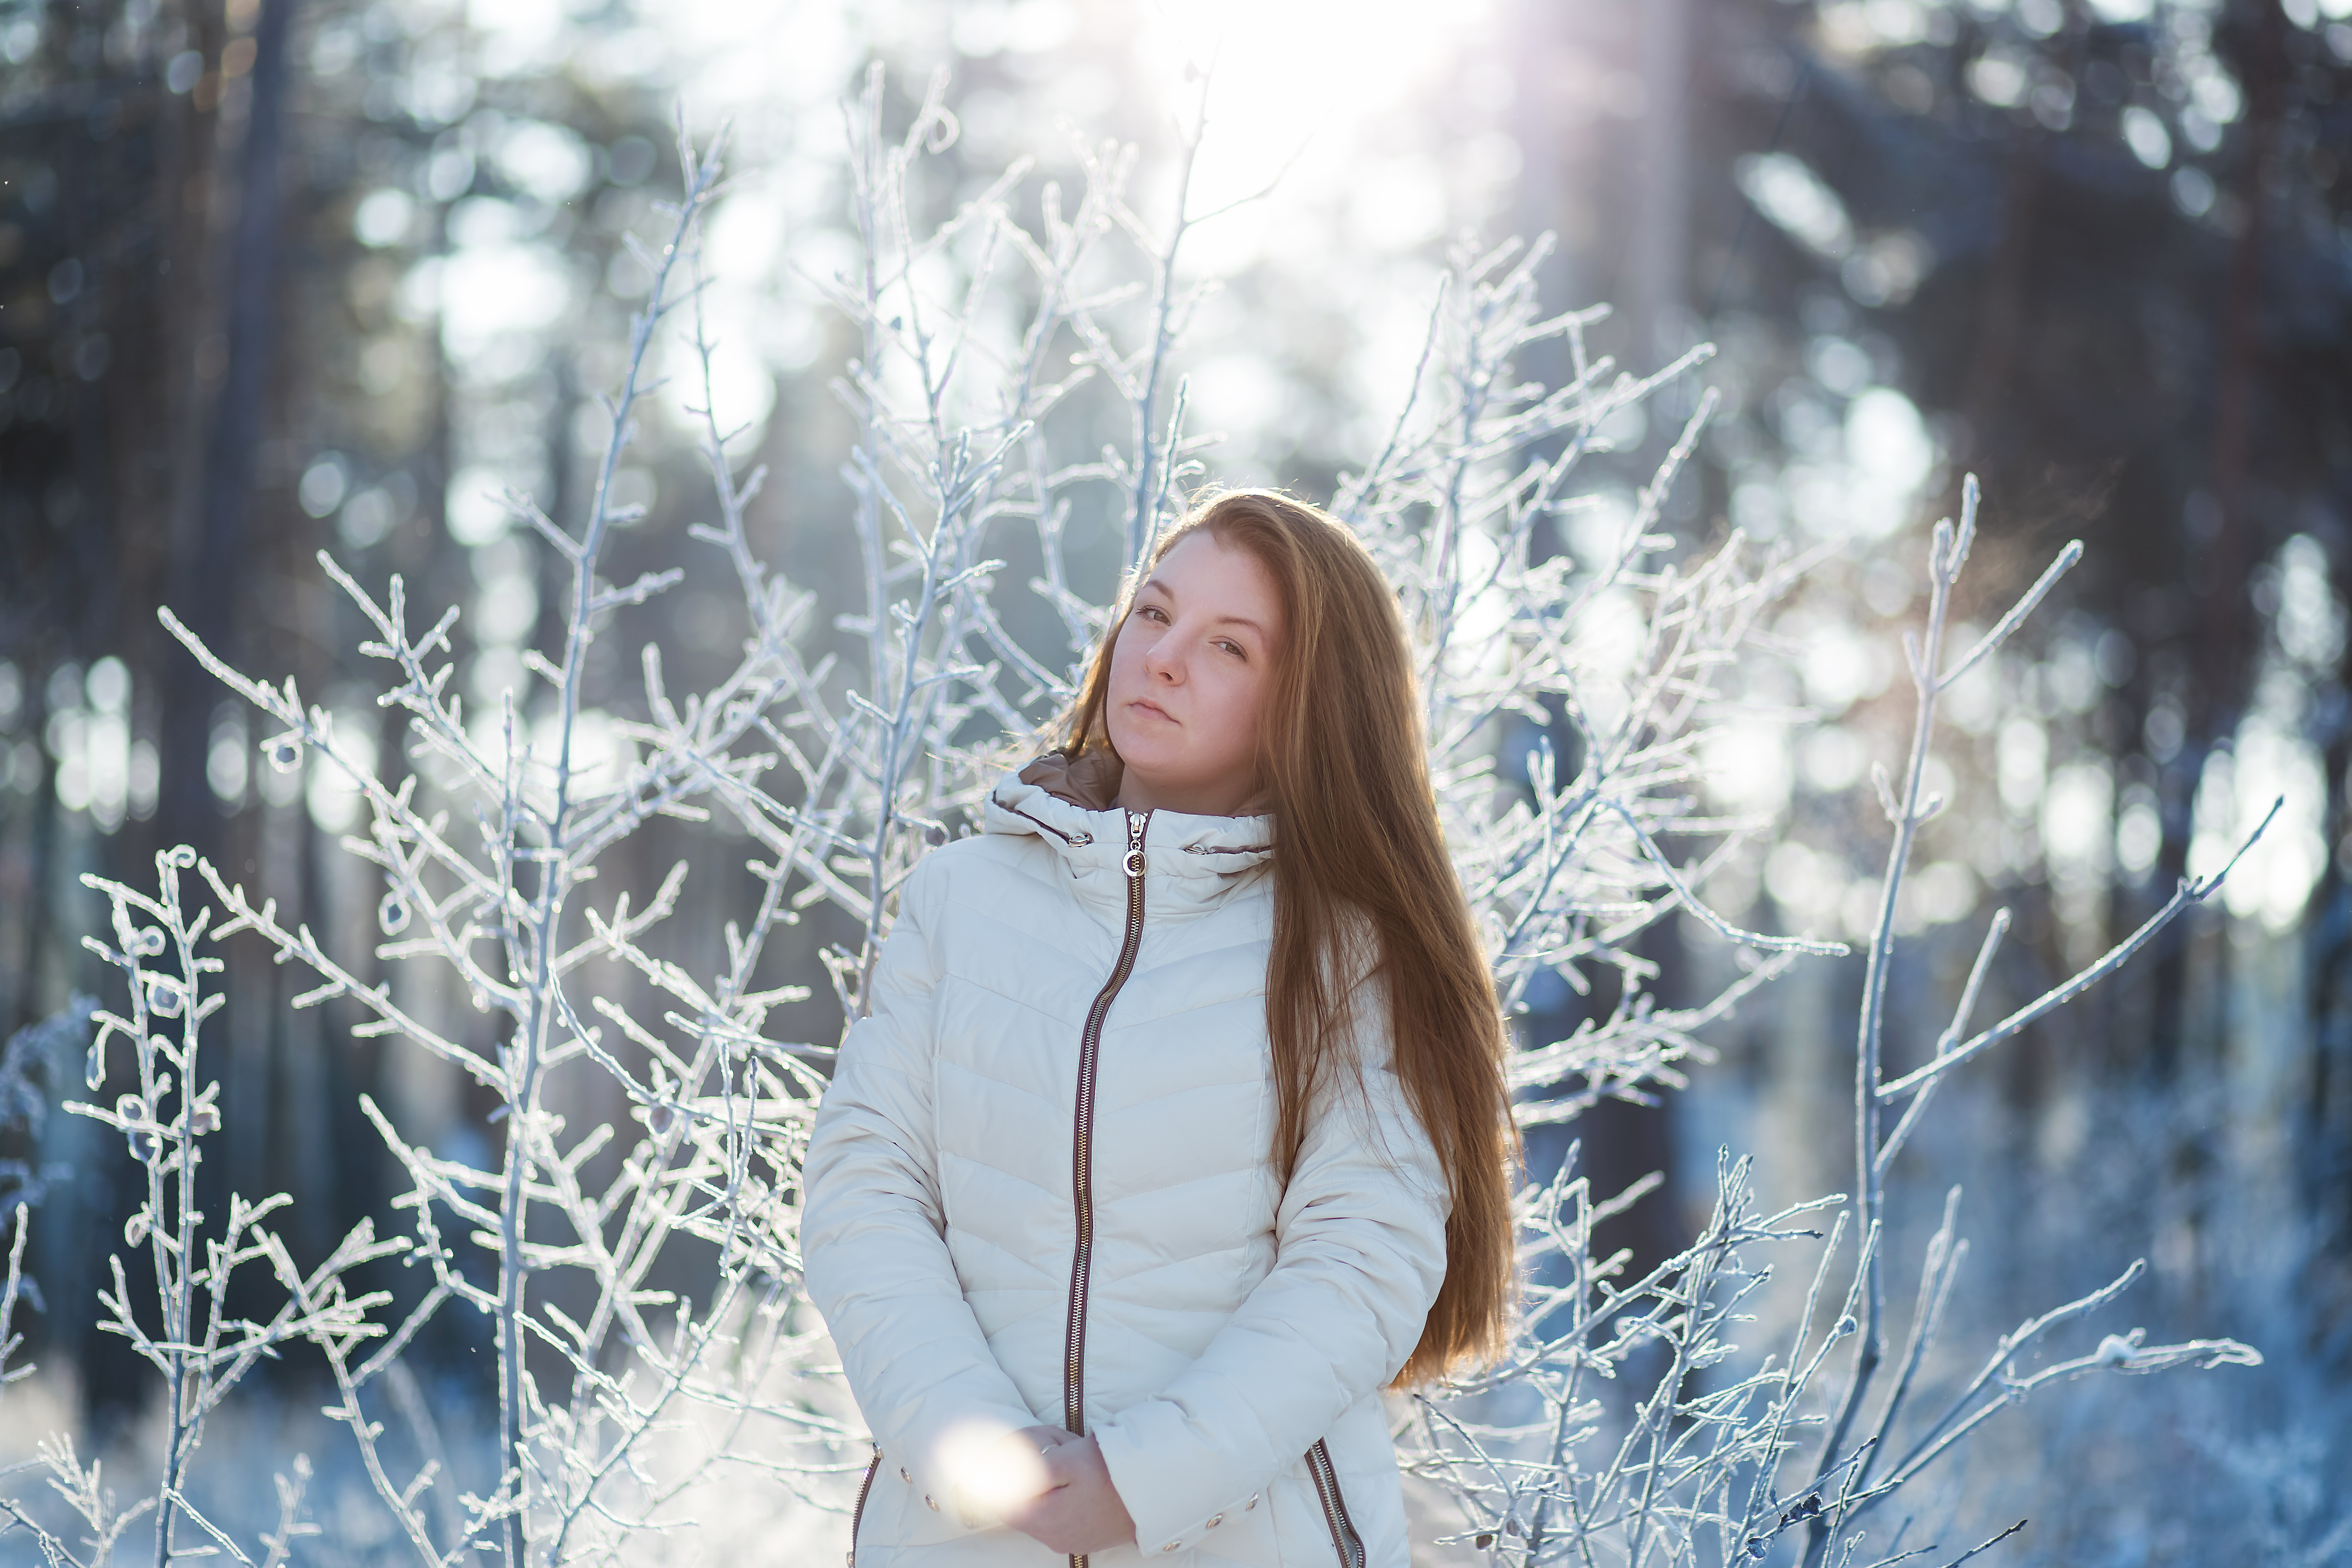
x=993 y=1470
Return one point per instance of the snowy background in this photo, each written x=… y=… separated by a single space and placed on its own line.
x=278 y=277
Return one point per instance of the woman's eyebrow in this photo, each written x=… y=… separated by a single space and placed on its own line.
x=1169 y=594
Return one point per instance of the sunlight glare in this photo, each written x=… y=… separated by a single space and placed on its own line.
x=1297 y=79
x=993 y=1470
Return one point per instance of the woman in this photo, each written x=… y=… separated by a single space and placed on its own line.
x=1177 y=1128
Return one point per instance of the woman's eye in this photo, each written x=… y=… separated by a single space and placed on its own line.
x=1234 y=649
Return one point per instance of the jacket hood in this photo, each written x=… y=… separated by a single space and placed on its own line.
x=1069 y=802
x=1089 y=782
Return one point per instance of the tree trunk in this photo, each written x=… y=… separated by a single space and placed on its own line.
x=214 y=566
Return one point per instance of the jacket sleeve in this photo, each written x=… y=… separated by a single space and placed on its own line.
x=873 y=1239
x=1361 y=1240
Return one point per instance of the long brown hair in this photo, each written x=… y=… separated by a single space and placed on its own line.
x=1344 y=763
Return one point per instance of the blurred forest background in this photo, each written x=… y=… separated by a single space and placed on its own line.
x=284 y=275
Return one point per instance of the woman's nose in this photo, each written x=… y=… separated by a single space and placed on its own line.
x=1161 y=662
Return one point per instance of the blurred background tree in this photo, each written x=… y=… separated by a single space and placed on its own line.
x=278 y=276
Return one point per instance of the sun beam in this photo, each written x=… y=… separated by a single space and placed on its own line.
x=1299 y=84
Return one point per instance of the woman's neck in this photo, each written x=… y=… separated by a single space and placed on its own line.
x=1244 y=798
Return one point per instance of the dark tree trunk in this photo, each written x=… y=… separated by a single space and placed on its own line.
x=2220 y=569
x=2221 y=585
x=212 y=569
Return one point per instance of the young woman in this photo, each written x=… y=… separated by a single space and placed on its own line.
x=1178 y=1130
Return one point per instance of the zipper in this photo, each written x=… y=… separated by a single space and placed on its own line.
x=1344 y=1539
x=857 y=1514
x=1082 y=1143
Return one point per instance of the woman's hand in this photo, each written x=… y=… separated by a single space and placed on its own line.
x=1079 y=1511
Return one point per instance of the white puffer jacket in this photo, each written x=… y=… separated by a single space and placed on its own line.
x=1039 y=1192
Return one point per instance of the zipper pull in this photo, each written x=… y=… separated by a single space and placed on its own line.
x=1134 y=861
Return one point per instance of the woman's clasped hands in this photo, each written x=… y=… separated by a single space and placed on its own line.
x=1052 y=1485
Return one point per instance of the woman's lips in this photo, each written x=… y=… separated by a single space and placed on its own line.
x=1151 y=709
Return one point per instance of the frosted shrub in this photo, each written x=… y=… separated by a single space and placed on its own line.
x=634 y=1419
x=1727 y=1456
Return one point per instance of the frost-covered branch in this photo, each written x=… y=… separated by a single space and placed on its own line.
x=640 y=1269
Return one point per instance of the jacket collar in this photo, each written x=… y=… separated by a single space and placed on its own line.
x=1068 y=802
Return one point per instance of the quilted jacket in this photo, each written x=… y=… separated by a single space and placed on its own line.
x=1038 y=1192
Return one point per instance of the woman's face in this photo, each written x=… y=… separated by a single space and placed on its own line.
x=1189 y=675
